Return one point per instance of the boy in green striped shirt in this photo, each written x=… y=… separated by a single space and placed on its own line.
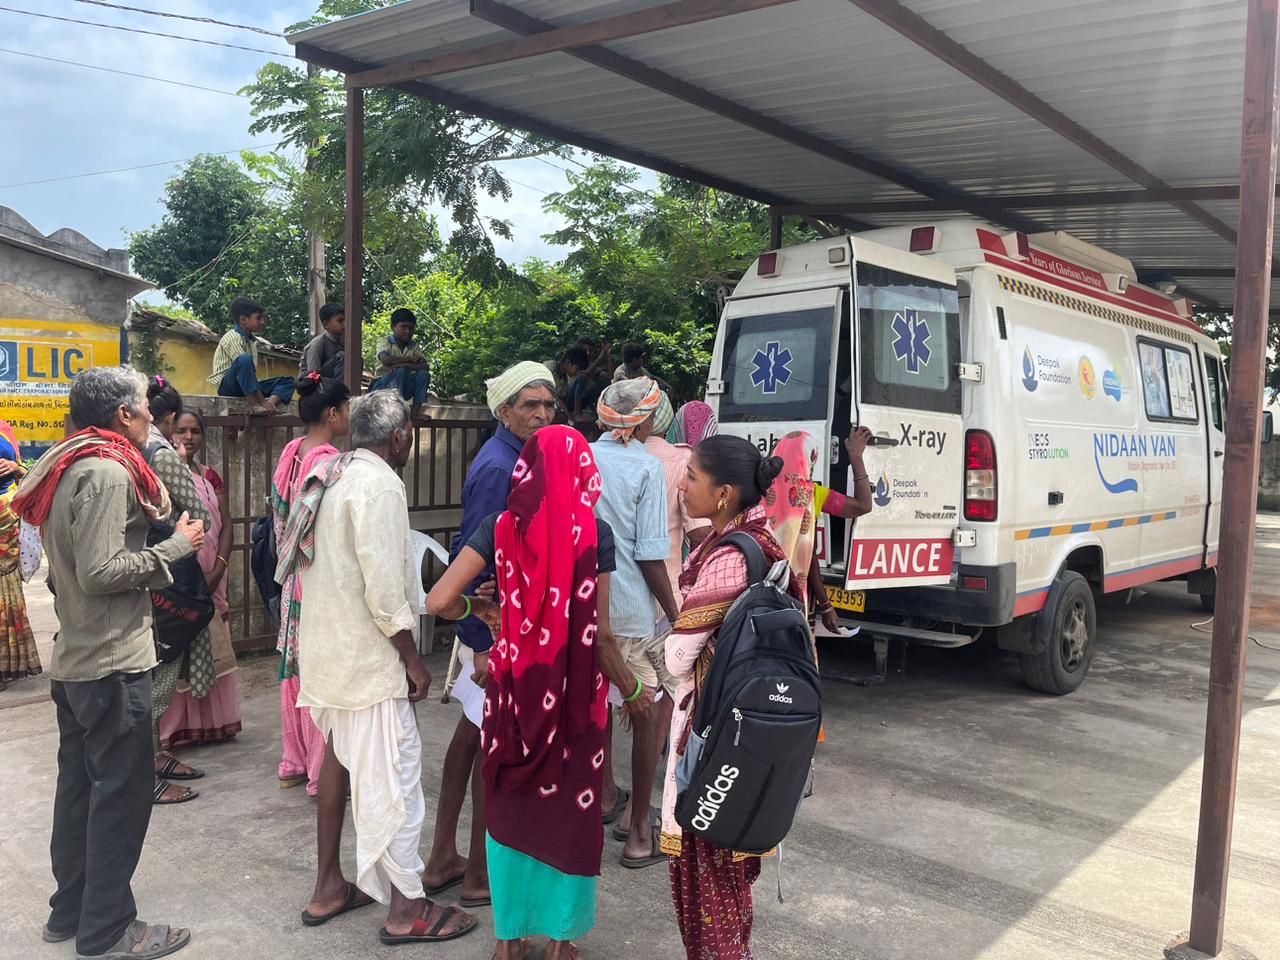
x=403 y=365
x=235 y=362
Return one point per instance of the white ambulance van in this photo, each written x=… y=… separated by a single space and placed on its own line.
x=1047 y=430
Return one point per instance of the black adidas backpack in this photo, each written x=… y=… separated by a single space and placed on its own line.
x=263 y=562
x=744 y=769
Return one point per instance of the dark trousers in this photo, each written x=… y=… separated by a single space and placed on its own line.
x=106 y=775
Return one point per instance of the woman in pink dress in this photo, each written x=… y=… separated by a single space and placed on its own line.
x=215 y=716
x=323 y=407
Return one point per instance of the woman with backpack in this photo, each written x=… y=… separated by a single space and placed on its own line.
x=324 y=408
x=725 y=482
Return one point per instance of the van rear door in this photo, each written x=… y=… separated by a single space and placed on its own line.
x=907 y=355
x=775 y=367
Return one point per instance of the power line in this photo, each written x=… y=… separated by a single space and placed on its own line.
x=140 y=166
x=150 y=33
x=183 y=16
x=125 y=73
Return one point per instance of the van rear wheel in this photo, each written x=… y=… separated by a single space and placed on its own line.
x=1065 y=630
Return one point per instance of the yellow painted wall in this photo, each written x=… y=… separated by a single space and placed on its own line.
x=38 y=360
x=187 y=363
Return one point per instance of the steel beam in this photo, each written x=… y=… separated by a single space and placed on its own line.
x=1240 y=478
x=518 y=22
x=678 y=14
x=1022 y=201
x=352 y=341
x=920 y=32
x=425 y=91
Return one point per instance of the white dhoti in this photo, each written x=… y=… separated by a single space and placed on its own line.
x=382 y=750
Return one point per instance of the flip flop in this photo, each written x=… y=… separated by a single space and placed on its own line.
x=614 y=812
x=657 y=856
x=421 y=933
x=353 y=902
x=294 y=781
x=621 y=832
x=163 y=785
x=167 y=772
x=447 y=885
x=53 y=936
x=472 y=903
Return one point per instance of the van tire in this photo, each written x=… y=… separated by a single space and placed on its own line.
x=1206 y=602
x=1066 y=630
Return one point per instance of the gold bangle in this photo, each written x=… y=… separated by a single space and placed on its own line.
x=224 y=560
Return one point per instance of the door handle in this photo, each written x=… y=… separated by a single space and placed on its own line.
x=1217 y=453
x=882 y=440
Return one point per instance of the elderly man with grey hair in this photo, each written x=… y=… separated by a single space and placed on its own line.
x=95 y=498
x=348 y=535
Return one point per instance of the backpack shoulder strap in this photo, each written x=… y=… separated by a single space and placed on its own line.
x=757 y=566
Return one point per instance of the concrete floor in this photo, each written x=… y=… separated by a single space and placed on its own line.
x=958 y=815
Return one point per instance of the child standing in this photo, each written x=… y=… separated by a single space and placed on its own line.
x=235 y=362
x=403 y=365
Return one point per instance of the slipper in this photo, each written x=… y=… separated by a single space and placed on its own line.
x=156 y=945
x=163 y=785
x=421 y=933
x=657 y=856
x=447 y=885
x=525 y=953
x=614 y=812
x=354 y=901
x=53 y=936
x=294 y=781
x=472 y=903
x=171 y=764
x=621 y=831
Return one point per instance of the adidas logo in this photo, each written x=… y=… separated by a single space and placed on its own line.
x=780 y=697
x=783 y=688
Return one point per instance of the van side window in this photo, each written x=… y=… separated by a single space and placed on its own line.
x=1213 y=377
x=1168 y=384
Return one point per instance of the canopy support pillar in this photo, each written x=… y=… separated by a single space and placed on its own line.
x=354 y=265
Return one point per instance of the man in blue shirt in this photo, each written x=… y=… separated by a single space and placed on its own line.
x=523 y=400
x=634 y=503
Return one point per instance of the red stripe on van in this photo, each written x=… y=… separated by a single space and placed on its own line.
x=1031 y=602
x=1152 y=573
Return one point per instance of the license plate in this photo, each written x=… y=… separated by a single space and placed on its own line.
x=855 y=601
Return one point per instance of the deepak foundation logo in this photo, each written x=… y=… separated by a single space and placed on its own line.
x=882 y=494
x=1038 y=369
x=1029 y=371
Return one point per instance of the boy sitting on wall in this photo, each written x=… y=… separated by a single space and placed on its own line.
x=403 y=365
x=325 y=353
x=235 y=362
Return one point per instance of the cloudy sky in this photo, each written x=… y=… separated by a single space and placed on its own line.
x=65 y=121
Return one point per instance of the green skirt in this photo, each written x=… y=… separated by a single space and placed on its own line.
x=532 y=899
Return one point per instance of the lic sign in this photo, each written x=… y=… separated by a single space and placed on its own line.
x=36 y=362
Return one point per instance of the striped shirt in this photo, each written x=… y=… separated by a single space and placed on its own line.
x=234 y=343
x=101 y=572
x=396 y=352
x=634 y=504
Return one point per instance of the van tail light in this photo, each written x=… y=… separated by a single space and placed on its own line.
x=980 y=500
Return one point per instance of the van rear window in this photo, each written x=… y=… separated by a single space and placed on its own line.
x=777 y=366
x=908 y=340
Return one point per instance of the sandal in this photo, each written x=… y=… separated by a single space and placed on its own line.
x=135 y=935
x=614 y=812
x=421 y=933
x=49 y=935
x=294 y=781
x=656 y=856
x=526 y=951
x=353 y=902
x=449 y=884
x=157 y=797
x=621 y=831
x=472 y=903
x=170 y=769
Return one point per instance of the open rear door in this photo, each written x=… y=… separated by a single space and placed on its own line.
x=906 y=360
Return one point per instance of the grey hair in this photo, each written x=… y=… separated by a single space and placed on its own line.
x=512 y=400
x=624 y=395
x=97 y=393
x=375 y=417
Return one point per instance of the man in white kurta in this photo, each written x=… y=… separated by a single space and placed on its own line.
x=360 y=669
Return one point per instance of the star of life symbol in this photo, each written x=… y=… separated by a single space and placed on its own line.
x=773 y=367
x=911 y=340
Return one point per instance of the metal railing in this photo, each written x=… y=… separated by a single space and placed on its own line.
x=245 y=450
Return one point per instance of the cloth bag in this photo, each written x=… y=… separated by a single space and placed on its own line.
x=30 y=549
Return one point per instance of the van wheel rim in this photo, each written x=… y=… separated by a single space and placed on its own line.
x=1075 y=637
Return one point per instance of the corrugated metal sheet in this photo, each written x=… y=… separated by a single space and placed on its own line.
x=1159 y=80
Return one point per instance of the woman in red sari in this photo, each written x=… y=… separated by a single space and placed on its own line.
x=711 y=886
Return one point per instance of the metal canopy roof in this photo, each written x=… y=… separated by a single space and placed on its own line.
x=841 y=104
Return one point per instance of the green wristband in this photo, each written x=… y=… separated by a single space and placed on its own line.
x=466 y=611
x=635 y=696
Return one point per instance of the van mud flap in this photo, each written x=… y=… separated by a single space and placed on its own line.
x=882 y=634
